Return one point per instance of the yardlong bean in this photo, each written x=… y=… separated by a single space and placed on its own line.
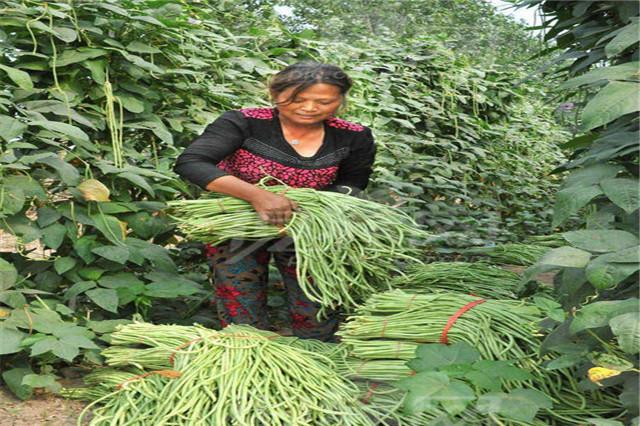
x=349 y=246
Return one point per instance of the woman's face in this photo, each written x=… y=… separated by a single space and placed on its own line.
x=316 y=103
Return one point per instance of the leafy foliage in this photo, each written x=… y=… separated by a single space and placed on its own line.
x=454 y=376
x=97 y=99
x=599 y=46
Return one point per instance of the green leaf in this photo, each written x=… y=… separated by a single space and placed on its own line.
x=78 y=288
x=146 y=225
x=140 y=62
x=121 y=279
x=110 y=227
x=136 y=46
x=489 y=374
x=70 y=56
x=59 y=348
x=19 y=77
x=629 y=36
x=139 y=181
x=118 y=254
x=434 y=356
x=519 y=404
x=68 y=173
x=83 y=247
x=565 y=361
x=567 y=257
x=423 y=389
x=10 y=128
x=47 y=216
x=8 y=275
x=64 y=264
x=12 y=298
x=97 y=69
x=601 y=240
x=598 y=314
x=27 y=184
x=550 y=308
x=12 y=201
x=91 y=273
x=39 y=380
x=570 y=200
x=106 y=298
x=156 y=126
x=126 y=284
x=609 y=103
x=629 y=255
x=169 y=285
x=10 y=340
x=65 y=34
x=158 y=255
x=39 y=319
x=592 y=175
x=626 y=71
x=73 y=133
x=627 y=328
x=612 y=362
x=53 y=235
x=605 y=275
x=456 y=397
x=13 y=379
x=130 y=103
x=623 y=192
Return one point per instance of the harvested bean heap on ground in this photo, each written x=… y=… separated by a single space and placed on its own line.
x=348 y=246
x=511 y=254
x=386 y=330
x=480 y=279
x=240 y=376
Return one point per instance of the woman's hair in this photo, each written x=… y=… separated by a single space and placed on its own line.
x=303 y=74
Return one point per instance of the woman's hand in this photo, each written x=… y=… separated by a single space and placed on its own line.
x=273 y=208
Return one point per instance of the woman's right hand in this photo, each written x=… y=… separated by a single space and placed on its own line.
x=273 y=208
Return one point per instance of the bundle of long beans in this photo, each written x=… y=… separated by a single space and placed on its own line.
x=238 y=376
x=511 y=254
x=395 y=322
x=478 y=278
x=347 y=245
x=553 y=240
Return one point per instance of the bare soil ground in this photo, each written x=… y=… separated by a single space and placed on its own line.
x=42 y=410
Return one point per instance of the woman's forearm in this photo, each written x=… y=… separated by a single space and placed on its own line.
x=235 y=187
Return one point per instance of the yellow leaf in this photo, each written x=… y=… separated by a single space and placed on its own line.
x=4 y=313
x=94 y=190
x=596 y=374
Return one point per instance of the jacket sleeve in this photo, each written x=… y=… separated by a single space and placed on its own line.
x=355 y=170
x=198 y=162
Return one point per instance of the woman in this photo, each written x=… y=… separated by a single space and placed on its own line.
x=300 y=142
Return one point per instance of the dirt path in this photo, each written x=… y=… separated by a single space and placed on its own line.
x=42 y=410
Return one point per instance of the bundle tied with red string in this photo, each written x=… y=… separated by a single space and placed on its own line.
x=386 y=330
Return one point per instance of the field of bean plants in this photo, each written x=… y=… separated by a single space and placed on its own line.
x=488 y=275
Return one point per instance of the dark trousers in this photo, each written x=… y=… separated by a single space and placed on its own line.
x=241 y=276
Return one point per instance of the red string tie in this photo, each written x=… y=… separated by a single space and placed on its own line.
x=452 y=320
